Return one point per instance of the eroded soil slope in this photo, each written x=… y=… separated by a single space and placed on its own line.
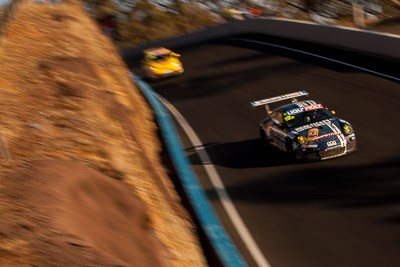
x=81 y=181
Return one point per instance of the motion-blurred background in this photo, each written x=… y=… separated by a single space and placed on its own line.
x=132 y=23
x=135 y=22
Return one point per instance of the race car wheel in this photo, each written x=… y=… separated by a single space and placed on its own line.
x=289 y=150
x=264 y=138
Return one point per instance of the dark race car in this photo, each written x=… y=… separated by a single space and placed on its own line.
x=305 y=129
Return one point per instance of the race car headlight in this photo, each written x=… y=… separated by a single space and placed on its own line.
x=347 y=129
x=302 y=140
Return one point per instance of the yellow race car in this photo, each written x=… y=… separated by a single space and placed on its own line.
x=160 y=62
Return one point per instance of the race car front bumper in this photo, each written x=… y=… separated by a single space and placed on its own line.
x=318 y=154
x=163 y=74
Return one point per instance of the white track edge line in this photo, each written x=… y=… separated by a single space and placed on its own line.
x=219 y=187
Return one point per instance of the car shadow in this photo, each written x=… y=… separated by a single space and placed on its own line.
x=337 y=186
x=250 y=153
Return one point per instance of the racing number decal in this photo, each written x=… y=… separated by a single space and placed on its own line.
x=331 y=143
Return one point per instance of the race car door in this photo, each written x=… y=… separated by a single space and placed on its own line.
x=277 y=131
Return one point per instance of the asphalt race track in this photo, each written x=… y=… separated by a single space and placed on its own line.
x=340 y=212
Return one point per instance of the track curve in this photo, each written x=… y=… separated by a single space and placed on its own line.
x=341 y=212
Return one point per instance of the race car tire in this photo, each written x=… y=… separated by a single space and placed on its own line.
x=264 y=139
x=291 y=155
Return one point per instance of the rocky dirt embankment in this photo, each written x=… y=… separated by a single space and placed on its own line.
x=81 y=181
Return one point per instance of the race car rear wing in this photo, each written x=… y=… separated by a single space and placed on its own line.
x=267 y=101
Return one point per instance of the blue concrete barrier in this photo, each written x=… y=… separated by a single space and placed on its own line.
x=215 y=232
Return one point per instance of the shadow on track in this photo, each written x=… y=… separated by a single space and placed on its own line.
x=350 y=187
x=234 y=78
x=243 y=154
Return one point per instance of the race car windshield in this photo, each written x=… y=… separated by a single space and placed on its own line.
x=159 y=58
x=307 y=117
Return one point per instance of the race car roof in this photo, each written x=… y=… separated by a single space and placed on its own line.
x=299 y=104
x=156 y=51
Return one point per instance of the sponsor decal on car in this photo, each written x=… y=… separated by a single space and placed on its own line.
x=312 y=134
x=312 y=107
x=302 y=109
x=288 y=118
x=311 y=125
x=295 y=111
